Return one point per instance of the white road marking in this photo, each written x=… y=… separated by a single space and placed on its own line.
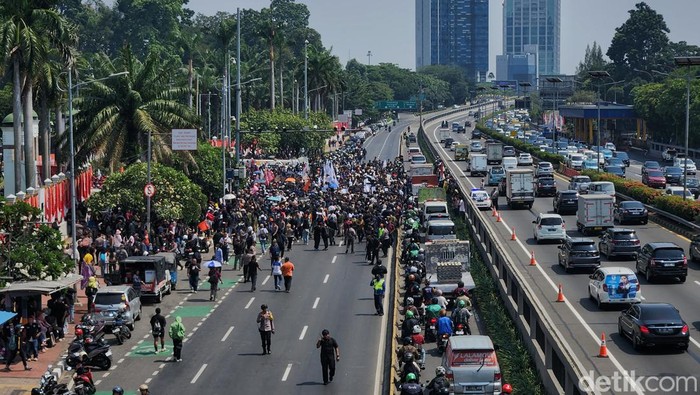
x=134 y=347
x=127 y=354
x=113 y=367
x=97 y=382
x=697 y=282
x=303 y=332
x=196 y=376
x=121 y=360
x=316 y=303
x=155 y=373
x=145 y=336
x=335 y=257
x=250 y=302
x=553 y=285
x=325 y=279
x=286 y=372
x=195 y=329
x=228 y=332
x=199 y=323
x=162 y=365
x=266 y=279
x=105 y=375
x=181 y=303
x=148 y=380
x=167 y=316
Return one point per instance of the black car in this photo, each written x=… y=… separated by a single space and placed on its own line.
x=565 y=202
x=508 y=150
x=616 y=170
x=673 y=175
x=619 y=241
x=578 y=252
x=662 y=260
x=631 y=211
x=545 y=186
x=623 y=156
x=654 y=324
x=476 y=134
x=448 y=142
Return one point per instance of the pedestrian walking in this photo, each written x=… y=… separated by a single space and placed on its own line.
x=158 y=330
x=16 y=343
x=253 y=268
x=91 y=292
x=266 y=327
x=214 y=278
x=143 y=389
x=277 y=274
x=245 y=261
x=193 y=273
x=330 y=353
x=350 y=236
x=136 y=282
x=378 y=286
x=287 y=269
x=177 y=333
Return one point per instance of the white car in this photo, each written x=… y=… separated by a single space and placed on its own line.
x=510 y=162
x=575 y=161
x=454 y=144
x=608 y=285
x=481 y=198
x=610 y=146
x=544 y=168
x=418 y=159
x=524 y=159
x=678 y=191
x=549 y=227
x=689 y=164
x=475 y=146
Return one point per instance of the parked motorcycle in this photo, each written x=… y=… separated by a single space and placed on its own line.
x=89 y=353
x=119 y=328
x=82 y=381
x=48 y=385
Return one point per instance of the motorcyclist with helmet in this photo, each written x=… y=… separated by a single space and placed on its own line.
x=408 y=323
x=411 y=386
x=461 y=315
x=409 y=366
x=418 y=340
x=440 y=385
x=407 y=348
x=117 y=390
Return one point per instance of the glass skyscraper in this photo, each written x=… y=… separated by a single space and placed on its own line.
x=529 y=23
x=453 y=32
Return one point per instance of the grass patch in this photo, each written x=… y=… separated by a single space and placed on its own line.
x=517 y=366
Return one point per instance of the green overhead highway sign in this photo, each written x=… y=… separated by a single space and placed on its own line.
x=396 y=105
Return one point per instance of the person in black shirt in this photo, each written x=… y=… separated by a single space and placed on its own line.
x=158 y=330
x=330 y=353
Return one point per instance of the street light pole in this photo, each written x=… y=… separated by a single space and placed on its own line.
x=306 y=79
x=369 y=58
x=686 y=61
x=238 y=91
x=71 y=144
x=598 y=75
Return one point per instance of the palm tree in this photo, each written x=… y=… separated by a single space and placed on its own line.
x=117 y=114
x=324 y=74
x=27 y=31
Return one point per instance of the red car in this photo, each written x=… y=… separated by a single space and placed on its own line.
x=654 y=178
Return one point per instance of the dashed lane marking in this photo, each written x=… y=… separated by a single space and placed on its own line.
x=325 y=279
x=199 y=373
x=266 y=279
x=335 y=257
x=228 y=332
x=286 y=372
x=247 y=306
x=303 y=332
x=316 y=302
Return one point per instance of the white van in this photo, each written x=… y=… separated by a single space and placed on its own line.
x=440 y=229
x=602 y=188
x=414 y=150
x=510 y=162
x=471 y=365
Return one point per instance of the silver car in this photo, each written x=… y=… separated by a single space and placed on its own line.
x=472 y=365
x=580 y=184
x=111 y=299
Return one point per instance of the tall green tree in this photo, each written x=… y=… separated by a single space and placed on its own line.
x=117 y=114
x=592 y=60
x=640 y=43
x=27 y=30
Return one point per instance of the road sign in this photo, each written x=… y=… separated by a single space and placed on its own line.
x=184 y=140
x=149 y=190
x=396 y=105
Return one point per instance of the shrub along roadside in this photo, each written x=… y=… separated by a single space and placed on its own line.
x=686 y=209
x=517 y=367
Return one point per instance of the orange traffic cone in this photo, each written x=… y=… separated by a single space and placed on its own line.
x=560 y=295
x=603 y=353
x=512 y=235
x=533 y=262
x=498 y=216
x=493 y=211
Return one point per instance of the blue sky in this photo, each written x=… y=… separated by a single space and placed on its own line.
x=386 y=27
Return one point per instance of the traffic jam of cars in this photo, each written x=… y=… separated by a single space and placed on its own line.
x=606 y=224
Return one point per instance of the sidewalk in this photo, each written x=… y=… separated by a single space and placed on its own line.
x=19 y=381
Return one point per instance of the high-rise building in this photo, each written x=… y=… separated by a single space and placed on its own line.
x=453 y=32
x=537 y=23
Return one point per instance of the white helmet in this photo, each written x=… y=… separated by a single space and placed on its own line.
x=416 y=329
x=409 y=300
x=439 y=371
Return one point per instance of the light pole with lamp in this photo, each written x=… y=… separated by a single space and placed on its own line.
x=687 y=61
x=306 y=79
x=598 y=75
x=71 y=144
x=555 y=81
x=369 y=58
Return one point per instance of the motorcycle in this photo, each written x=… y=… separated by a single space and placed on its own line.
x=89 y=353
x=48 y=385
x=459 y=330
x=119 y=328
x=442 y=343
x=90 y=326
x=431 y=330
x=82 y=381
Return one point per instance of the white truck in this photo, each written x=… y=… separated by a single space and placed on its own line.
x=520 y=187
x=595 y=213
x=447 y=263
x=494 y=153
x=477 y=165
x=443 y=134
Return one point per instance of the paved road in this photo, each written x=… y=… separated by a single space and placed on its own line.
x=684 y=296
x=222 y=353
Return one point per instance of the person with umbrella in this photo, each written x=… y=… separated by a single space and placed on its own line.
x=214 y=278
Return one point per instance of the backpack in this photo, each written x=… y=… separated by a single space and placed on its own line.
x=213 y=278
x=157 y=329
x=12 y=342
